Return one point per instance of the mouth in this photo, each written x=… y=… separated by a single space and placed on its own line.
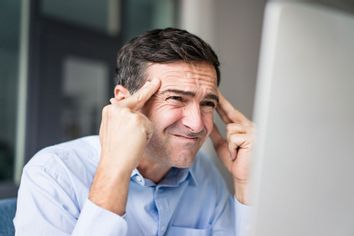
x=186 y=138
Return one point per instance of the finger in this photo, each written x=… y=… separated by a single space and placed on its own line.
x=103 y=123
x=139 y=98
x=237 y=128
x=218 y=142
x=237 y=142
x=148 y=128
x=234 y=143
x=228 y=113
x=233 y=148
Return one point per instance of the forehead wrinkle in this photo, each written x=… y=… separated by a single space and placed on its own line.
x=181 y=69
x=192 y=82
x=198 y=78
x=196 y=75
x=190 y=87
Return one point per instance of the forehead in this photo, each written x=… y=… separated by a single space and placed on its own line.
x=184 y=76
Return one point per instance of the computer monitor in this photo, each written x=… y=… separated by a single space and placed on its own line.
x=303 y=163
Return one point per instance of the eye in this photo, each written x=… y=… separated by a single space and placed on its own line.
x=175 y=98
x=209 y=104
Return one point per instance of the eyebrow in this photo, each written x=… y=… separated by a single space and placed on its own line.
x=191 y=94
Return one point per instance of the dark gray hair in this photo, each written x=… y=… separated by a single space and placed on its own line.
x=160 y=46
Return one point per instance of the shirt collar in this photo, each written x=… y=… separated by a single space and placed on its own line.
x=174 y=177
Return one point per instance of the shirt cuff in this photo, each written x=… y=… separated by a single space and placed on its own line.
x=243 y=218
x=95 y=220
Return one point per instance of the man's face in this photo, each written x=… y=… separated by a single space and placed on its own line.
x=181 y=111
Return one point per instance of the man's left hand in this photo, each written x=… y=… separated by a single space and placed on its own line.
x=235 y=150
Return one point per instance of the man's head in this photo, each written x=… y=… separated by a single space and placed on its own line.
x=182 y=109
x=160 y=46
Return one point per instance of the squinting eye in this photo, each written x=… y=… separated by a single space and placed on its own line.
x=209 y=104
x=176 y=98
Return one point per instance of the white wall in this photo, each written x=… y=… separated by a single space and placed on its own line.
x=237 y=36
x=233 y=29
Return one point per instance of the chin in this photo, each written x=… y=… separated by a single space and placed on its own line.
x=184 y=159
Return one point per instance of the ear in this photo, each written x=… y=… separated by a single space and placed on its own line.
x=120 y=92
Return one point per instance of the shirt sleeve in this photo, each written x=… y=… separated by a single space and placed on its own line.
x=242 y=218
x=46 y=206
x=95 y=220
x=232 y=219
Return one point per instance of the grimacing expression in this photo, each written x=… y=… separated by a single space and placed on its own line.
x=181 y=111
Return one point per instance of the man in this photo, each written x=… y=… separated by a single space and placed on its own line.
x=144 y=175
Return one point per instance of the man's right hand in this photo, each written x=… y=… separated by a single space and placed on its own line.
x=124 y=133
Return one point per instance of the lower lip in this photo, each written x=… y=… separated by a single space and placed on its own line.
x=186 y=138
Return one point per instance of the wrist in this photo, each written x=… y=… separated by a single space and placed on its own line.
x=116 y=165
x=241 y=192
x=109 y=188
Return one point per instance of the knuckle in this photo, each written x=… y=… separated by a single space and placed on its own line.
x=233 y=128
x=231 y=146
x=105 y=109
x=228 y=136
x=229 y=127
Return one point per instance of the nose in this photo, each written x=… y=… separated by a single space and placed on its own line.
x=192 y=118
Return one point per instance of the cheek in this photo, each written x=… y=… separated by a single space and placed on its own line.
x=164 y=117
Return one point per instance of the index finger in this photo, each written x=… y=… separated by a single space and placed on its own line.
x=140 y=97
x=228 y=113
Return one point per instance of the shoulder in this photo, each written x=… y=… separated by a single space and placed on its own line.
x=59 y=177
x=71 y=162
x=83 y=150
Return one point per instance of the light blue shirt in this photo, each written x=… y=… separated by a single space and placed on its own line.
x=53 y=199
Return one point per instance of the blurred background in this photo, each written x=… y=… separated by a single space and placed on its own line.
x=57 y=62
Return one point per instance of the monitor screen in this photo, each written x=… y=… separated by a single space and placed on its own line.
x=303 y=163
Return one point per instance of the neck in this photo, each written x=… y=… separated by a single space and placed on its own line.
x=153 y=170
